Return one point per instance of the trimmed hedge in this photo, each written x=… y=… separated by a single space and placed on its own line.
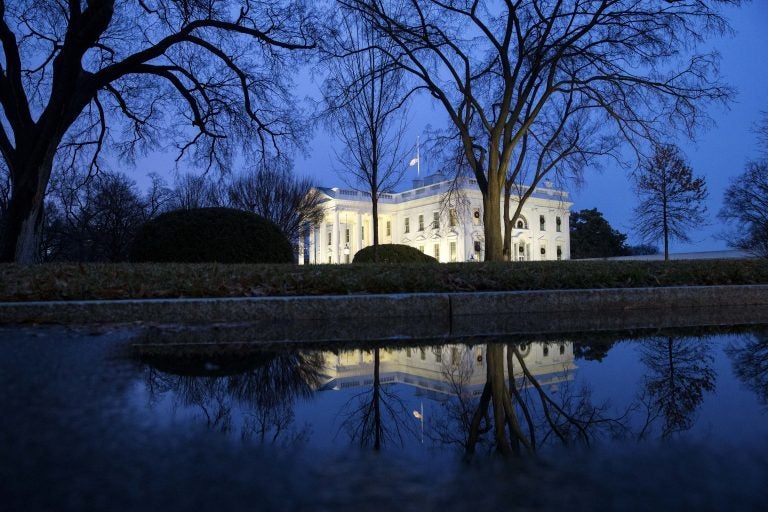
x=203 y=235
x=393 y=253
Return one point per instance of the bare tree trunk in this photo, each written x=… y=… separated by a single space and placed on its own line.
x=666 y=229
x=375 y=222
x=492 y=222
x=507 y=249
x=495 y=361
x=21 y=233
x=377 y=427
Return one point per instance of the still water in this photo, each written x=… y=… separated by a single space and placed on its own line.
x=100 y=420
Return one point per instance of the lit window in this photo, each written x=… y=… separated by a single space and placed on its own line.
x=421 y=223
x=407 y=225
x=421 y=248
x=453 y=251
x=435 y=220
x=542 y=223
x=452 y=217
x=437 y=252
x=476 y=216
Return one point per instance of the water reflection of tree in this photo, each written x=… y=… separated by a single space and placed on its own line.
x=262 y=386
x=749 y=357
x=518 y=413
x=375 y=417
x=679 y=372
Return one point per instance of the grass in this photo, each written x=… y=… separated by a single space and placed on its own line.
x=133 y=281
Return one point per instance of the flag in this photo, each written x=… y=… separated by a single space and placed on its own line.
x=414 y=161
x=417 y=415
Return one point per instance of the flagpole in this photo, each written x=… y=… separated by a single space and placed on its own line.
x=418 y=158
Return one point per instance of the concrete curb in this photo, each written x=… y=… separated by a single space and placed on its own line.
x=438 y=309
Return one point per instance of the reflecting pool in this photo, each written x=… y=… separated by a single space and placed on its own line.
x=652 y=419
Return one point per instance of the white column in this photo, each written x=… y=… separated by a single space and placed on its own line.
x=312 y=244
x=300 y=256
x=335 y=237
x=359 y=232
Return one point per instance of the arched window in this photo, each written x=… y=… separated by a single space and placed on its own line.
x=521 y=223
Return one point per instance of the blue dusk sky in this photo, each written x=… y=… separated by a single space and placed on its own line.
x=719 y=153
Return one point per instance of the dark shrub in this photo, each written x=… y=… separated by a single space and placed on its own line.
x=222 y=235
x=393 y=253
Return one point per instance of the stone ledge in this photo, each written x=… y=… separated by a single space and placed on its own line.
x=247 y=309
x=439 y=311
x=608 y=299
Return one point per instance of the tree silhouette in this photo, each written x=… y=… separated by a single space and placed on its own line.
x=746 y=202
x=750 y=363
x=203 y=77
x=262 y=384
x=495 y=67
x=671 y=198
x=365 y=99
x=679 y=373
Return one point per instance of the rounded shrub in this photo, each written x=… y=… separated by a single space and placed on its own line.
x=222 y=235
x=393 y=253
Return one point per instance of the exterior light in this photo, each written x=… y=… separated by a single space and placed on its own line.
x=346 y=249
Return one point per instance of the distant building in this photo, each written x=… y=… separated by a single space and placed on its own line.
x=426 y=219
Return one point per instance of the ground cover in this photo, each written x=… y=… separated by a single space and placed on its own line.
x=134 y=281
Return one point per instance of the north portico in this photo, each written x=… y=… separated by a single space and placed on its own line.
x=438 y=218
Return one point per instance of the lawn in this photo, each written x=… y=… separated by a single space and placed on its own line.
x=133 y=281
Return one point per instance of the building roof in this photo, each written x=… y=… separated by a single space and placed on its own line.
x=432 y=185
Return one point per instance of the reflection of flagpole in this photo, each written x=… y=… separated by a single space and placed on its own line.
x=420 y=416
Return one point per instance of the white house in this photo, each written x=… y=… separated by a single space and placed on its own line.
x=426 y=218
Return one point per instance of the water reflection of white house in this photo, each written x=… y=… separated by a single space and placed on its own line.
x=436 y=369
x=426 y=219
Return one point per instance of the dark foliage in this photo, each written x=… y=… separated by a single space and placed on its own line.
x=593 y=237
x=642 y=250
x=222 y=235
x=393 y=253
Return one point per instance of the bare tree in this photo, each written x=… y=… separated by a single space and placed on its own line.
x=563 y=141
x=365 y=98
x=494 y=66
x=92 y=218
x=272 y=191
x=192 y=191
x=679 y=373
x=206 y=77
x=746 y=202
x=671 y=198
